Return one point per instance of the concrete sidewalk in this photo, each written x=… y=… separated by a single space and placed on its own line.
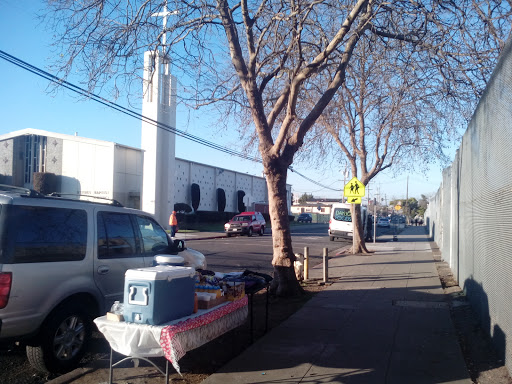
x=384 y=319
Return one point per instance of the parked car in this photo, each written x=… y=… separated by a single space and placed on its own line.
x=63 y=263
x=246 y=223
x=382 y=222
x=305 y=218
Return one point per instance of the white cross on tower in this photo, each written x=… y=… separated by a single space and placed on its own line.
x=164 y=14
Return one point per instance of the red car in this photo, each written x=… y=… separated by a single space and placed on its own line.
x=246 y=223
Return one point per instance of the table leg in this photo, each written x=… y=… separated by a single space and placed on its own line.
x=266 y=311
x=110 y=371
x=250 y=315
x=112 y=365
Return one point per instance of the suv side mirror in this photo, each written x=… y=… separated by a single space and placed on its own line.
x=179 y=245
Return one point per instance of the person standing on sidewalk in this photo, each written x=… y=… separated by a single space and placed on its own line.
x=173 y=222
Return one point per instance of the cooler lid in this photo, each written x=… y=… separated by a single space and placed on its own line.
x=166 y=259
x=160 y=272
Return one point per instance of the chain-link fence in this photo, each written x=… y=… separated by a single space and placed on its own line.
x=470 y=217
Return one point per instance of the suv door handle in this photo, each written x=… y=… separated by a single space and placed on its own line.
x=103 y=269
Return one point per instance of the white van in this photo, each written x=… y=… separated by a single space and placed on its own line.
x=340 y=223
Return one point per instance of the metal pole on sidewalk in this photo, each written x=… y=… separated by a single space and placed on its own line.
x=374 y=221
x=306 y=263
x=352 y=214
x=326 y=265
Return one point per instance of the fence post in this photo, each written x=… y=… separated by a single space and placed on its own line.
x=306 y=263
x=326 y=264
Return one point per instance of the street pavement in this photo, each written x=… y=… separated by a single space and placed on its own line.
x=383 y=318
x=199 y=235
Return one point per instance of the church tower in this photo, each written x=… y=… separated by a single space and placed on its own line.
x=158 y=143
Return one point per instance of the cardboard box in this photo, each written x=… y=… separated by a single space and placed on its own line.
x=235 y=290
x=114 y=317
x=203 y=304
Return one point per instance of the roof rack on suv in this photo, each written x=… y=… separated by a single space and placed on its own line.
x=103 y=200
x=27 y=192
x=24 y=191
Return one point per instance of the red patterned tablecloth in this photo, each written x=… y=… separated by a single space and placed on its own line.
x=173 y=340
x=184 y=336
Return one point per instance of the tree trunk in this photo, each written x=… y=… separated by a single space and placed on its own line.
x=285 y=283
x=359 y=245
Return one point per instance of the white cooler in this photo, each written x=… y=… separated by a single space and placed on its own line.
x=158 y=294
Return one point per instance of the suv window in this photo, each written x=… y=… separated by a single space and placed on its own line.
x=46 y=234
x=116 y=236
x=154 y=238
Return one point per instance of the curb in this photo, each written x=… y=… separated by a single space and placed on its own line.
x=70 y=376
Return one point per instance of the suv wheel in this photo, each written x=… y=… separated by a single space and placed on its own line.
x=249 y=233
x=262 y=230
x=63 y=341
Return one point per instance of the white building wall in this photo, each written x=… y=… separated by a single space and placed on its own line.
x=128 y=164
x=244 y=183
x=210 y=179
x=87 y=168
x=259 y=191
x=204 y=176
x=182 y=182
x=227 y=181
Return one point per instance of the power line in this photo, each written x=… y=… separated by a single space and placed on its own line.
x=312 y=181
x=37 y=71
x=74 y=88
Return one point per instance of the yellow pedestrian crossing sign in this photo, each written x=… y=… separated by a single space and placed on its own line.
x=354 y=188
x=354 y=200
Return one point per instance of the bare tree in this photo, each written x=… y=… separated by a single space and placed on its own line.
x=399 y=107
x=279 y=62
x=384 y=115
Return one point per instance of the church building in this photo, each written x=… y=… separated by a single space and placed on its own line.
x=105 y=169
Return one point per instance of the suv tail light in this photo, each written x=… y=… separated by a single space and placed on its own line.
x=5 y=288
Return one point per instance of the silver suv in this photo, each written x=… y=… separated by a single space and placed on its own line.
x=62 y=263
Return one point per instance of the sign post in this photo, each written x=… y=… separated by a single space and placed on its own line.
x=395 y=225
x=354 y=191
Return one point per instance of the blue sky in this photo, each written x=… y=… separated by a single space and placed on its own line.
x=25 y=103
